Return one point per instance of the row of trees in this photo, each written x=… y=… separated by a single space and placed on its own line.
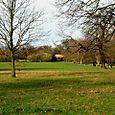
x=75 y=50
x=29 y=53
x=69 y=48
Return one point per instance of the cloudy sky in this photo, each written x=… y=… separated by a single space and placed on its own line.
x=51 y=21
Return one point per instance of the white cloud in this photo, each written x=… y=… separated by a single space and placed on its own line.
x=51 y=23
x=46 y=5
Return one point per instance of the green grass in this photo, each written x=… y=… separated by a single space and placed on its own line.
x=57 y=89
x=48 y=66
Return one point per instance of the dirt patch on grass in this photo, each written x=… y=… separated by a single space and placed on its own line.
x=36 y=73
x=50 y=73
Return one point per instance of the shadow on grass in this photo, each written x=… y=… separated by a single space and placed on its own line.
x=8 y=69
x=40 y=68
x=47 y=83
x=35 y=111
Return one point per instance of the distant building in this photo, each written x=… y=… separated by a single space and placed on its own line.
x=58 y=57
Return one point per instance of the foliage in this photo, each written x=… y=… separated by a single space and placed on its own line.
x=21 y=54
x=40 y=57
x=4 y=56
x=73 y=52
x=43 y=53
x=77 y=51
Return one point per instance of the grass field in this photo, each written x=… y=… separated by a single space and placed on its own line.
x=57 y=89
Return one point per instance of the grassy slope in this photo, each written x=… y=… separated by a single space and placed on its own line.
x=84 y=93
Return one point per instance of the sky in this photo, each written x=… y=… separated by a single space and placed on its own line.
x=51 y=23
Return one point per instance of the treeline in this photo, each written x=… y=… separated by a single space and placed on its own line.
x=69 y=48
x=77 y=51
x=29 y=53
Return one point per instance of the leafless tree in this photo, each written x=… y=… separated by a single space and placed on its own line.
x=19 y=25
x=97 y=19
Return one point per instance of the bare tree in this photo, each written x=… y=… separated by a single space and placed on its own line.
x=19 y=25
x=97 y=19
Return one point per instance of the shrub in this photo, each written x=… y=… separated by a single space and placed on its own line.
x=39 y=57
x=4 y=58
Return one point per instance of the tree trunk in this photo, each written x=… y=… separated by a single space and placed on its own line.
x=102 y=59
x=81 y=60
x=98 y=60
x=82 y=57
x=103 y=65
x=13 y=64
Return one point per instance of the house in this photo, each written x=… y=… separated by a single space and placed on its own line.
x=58 y=57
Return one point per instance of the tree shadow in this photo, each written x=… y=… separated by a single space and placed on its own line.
x=46 y=83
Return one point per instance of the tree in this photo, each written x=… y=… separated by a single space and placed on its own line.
x=110 y=52
x=74 y=51
x=19 y=25
x=40 y=57
x=69 y=51
x=4 y=55
x=97 y=19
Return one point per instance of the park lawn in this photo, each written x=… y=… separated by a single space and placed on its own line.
x=69 y=89
x=61 y=66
